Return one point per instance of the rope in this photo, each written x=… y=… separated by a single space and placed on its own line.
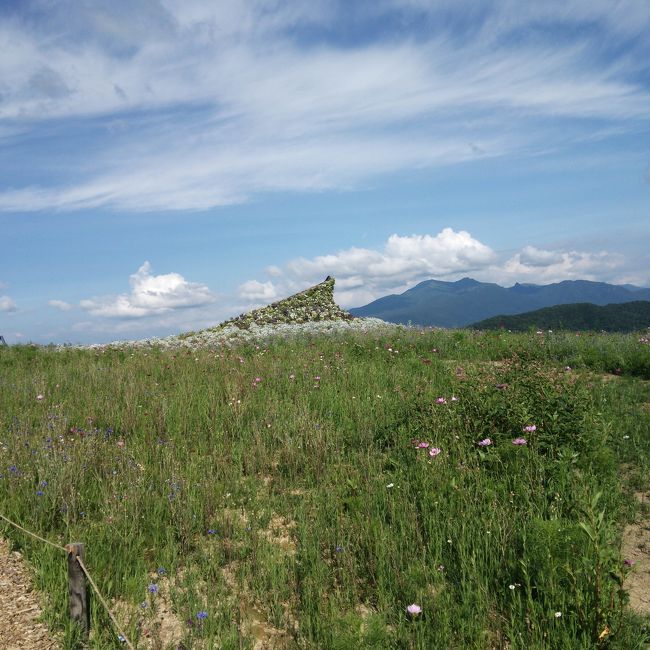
x=65 y=549
x=103 y=602
x=42 y=539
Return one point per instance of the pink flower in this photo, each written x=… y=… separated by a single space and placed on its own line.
x=423 y=445
x=434 y=451
x=317 y=378
x=441 y=400
x=414 y=609
x=258 y=380
x=519 y=441
x=486 y=442
x=530 y=428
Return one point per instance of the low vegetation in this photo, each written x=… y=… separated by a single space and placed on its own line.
x=624 y=317
x=404 y=489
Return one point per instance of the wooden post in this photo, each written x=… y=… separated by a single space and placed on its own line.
x=77 y=587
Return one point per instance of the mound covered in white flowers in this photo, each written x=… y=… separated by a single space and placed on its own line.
x=310 y=312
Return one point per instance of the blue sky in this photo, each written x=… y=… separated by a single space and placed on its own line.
x=166 y=164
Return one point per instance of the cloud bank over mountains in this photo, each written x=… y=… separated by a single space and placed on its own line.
x=364 y=274
x=190 y=105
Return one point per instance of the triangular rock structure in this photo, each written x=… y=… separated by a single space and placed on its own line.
x=312 y=305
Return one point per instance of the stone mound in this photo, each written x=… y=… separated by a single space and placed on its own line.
x=312 y=305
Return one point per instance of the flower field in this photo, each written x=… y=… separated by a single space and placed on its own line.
x=391 y=489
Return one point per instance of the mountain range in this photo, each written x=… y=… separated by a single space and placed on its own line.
x=457 y=304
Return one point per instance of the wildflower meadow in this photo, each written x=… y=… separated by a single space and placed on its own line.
x=393 y=489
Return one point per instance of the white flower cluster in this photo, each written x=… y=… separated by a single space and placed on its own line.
x=230 y=335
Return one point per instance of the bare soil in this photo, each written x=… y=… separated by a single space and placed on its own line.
x=20 y=628
x=636 y=550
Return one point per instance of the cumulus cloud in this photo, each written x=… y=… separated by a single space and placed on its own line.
x=255 y=291
x=364 y=274
x=7 y=304
x=150 y=294
x=61 y=305
x=544 y=267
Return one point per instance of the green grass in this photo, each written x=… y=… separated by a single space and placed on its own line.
x=267 y=502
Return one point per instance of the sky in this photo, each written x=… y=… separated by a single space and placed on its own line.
x=167 y=164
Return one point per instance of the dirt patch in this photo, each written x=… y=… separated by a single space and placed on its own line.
x=636 y=551
x=19 y=607
x=261 y=632
x=280 y=532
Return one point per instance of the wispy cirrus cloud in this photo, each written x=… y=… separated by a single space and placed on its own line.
x=150 y=295
x=218 y=102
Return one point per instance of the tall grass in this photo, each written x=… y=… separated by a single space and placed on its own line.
x=285 y=492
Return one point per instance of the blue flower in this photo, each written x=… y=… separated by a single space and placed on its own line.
x=161 y=571
x=153 y=589
x=212 y=531
x=40 y=493
x=201 y=615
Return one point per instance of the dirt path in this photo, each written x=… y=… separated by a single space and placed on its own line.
x=19 y=608
x=636 y=549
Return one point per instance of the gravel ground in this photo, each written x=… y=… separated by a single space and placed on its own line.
x=19 y=607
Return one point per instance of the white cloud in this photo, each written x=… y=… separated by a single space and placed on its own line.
x=364 y=274
x=255 y=291
x=60 y=305
x=7 y=304
x=150 y=295
x=237 y=105
x=544 y=267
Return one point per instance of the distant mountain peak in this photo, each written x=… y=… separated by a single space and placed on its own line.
x=457 y=304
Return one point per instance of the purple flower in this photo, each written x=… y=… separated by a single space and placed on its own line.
x=530 y=428
x=413 y=609
x=40 y=493
x=212 y=531
x=153 y=589
x=486 y=442
x=519 y=441
x=434 y=451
